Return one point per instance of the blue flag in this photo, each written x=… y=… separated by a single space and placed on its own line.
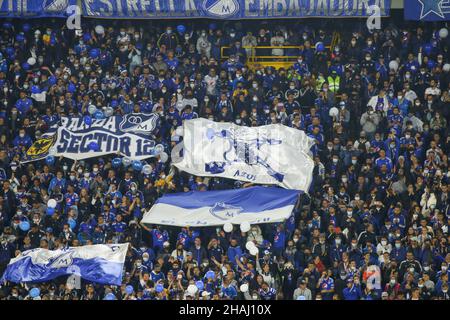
x=214 y=208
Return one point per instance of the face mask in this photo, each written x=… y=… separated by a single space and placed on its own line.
x=392 y=281
x=145 y=259
x=344 y=180
x=349 y=214
x=133 y=189
x=367 y=58
x=65 y=168
x=398 y=245
x=292 y=87
x=335 y=160
x=72 y=178
x=254 y=297
x=357 y=198
x=444 y=268
x=338 y=241
x=232 y=35
x=86 y=175
x=169 y=31
x=25 y=86
x=95 y=169
x=255 y=85
x=426 y=268
x=22 y=135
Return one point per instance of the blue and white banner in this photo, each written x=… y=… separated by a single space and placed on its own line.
x=214 y=208
x=271 y=154
x=35 y=8
x=427 y=10
x=129 y=135
x=101 y=263
x=232 y=9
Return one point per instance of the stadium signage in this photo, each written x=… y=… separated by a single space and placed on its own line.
x=218 y=9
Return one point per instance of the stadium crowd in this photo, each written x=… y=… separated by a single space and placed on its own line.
x=377 y=106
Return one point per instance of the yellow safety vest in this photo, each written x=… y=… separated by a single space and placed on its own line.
x=333 y=84
x=319 y=82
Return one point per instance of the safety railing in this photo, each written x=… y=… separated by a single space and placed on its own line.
x=264 y=55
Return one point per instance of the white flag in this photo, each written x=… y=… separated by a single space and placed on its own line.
x=271 y=154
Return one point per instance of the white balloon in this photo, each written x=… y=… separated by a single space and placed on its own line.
x=179 y=131
x=147 y=169
x=192 y=289
x=254 y=251
x=393 y=65
x=334 y=112
x=159 y=148
x=250 y=245
x=92 y=109
x=51 y=203
x=31 y=61
x=99 y=29
x=443 y=33
x=446 y=67
x=245 y=226
x=108 y=111
x=164 y=157
x=126 y=161
x=227 y=227
x=244 y=287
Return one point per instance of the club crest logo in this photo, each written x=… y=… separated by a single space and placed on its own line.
x=221 y=8
x=56 y=5
x=225 y=211
x=63 y=261
x=138 y=123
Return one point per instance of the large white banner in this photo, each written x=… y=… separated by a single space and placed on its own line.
x=271 y=154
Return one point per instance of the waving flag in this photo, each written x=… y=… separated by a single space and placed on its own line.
x=271 y=154
x=212 y=208
x=101 y=263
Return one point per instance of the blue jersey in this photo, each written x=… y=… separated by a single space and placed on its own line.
x=386 y=161
x=270 y=294
x=159 y=238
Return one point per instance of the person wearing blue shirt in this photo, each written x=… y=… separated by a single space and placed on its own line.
x=326 y=285
x=352 y=291
x=146 y=105
x=383 y=160
x=71 y=198
x=118 y=225
x=301 y=67
x=57 y=181
x=234 y=250
x=24 y=104
x=228 y=290
x=159 y=237
x=134 y=193
x=266 y=292
x=398 y=252
x=336 y=250
x=279 y=240
x=22 y=140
